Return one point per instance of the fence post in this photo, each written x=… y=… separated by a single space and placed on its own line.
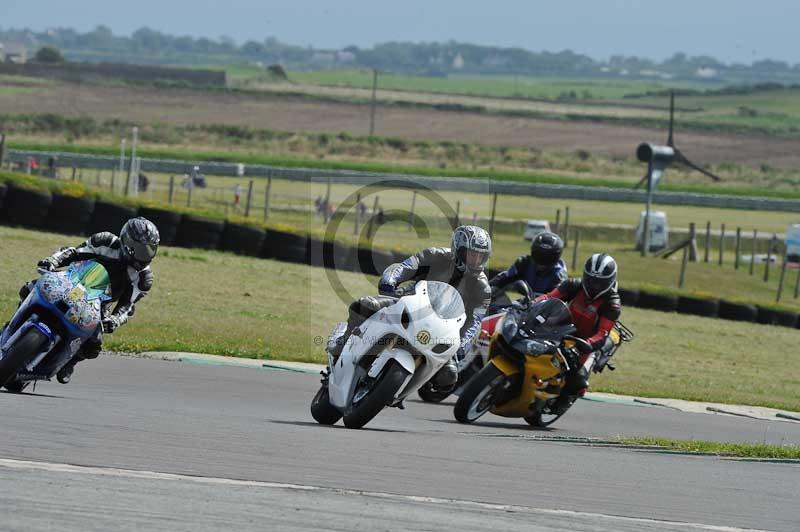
x=266 y=197
x=721 y=243
x=171 y=189
x=358 y=213
x=326 y=214
x=2 y=149
x=753 y=252
x=797 y=285
x=249 y=199
x=708 y=241
x=458 y=213
x=566 y=225
x=189 y=195
x=411 y=214
x=780 y=281
x=769 y=256
x=558 y=221
x=74 y=171
x=372 y=218
x=575 y=249
x=113 y=178
x=494 y=208
x=684 y=259
x=692 y=242
x=738 y=248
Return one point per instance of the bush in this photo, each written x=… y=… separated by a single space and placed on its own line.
x=49 y=54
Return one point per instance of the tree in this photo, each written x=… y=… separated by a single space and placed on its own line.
x=49 y=54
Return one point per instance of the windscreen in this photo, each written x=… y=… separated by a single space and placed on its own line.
x=546 y=315
x=445 y=300
x=93 y=276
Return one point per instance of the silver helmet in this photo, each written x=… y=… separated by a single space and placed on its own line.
x=139 y=237
x=599 y=275
x=471 y=248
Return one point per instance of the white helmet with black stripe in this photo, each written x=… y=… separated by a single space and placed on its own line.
x=599 y=275
x=471 y=248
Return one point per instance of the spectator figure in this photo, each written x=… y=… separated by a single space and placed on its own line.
x=380 y=219
x=237 y=197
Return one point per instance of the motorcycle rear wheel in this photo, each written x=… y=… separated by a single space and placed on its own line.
x=16 y=386
x=322 y=410
x=18 y=354
x=381 y=394
x=480 y=394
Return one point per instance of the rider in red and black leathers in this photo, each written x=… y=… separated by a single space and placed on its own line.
x=595 y=306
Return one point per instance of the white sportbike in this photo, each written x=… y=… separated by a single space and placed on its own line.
x=391 y=355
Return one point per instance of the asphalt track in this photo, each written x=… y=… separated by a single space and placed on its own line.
x=136 y=444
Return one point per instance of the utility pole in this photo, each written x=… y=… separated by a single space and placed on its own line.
x=372 y=104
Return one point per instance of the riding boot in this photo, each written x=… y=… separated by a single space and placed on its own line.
x=64 y=375
x=447 y=377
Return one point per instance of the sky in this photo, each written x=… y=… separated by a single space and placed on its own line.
x=729 y=30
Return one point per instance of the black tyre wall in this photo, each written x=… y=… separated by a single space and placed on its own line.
x=328 y=254
x=27 y=208
x=69 y=215
x=662 y=302
x=777 y=317
x=698 y=306
x=370 y=261
x=199 y=232
x=3 y=190
x=167 y=223
x=629 y=296
x=737 y=311
x=109 y=217
x=284 y=246
x=243 y=239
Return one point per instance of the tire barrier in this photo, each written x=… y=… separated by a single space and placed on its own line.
x=69 y=215
x=629 y=296
x=109 y=217
x=3 y=190
x=662 y=302
x=369 y=261
x=199 y=232
x=769 y=316
x=400 y=256
x=737 y=311
x=25 y=207
x=287 y=247
x=167 y=223
x=698 y=306
x=328 y=254
x=243 y=239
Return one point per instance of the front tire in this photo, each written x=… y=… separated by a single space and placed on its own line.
x=382 y=394
x=21 y=352
x=480 y=394
x=322 y=410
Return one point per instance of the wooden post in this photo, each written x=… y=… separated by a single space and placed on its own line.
x=782 y=278
x=575 y=249
x=358 y=214
x=721 y=243
x=74 y=171
x=566 y=225
x=738 y=248
x=266 y=197
x=249 y=199
x=113 y=177
x=458 y=213
x=97 y=178
x=753 y=252
x=494 y=208
x=692 y=242
x=411 y=215
x=2 y=149
x=797 y=285
x=769 y=257
x=558 y=221
x=171 y=188
x=189 y=195
x=372 y=102
x=684 y=259
x=708 y=241
x=372 y=218
x=326 y=214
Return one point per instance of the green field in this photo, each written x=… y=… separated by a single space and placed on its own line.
x=220 y=303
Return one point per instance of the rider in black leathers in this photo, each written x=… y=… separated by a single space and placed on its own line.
x=461 y=266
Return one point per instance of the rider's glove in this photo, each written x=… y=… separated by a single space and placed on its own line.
x=110 y=324
x=48 y=264
x=390 y=290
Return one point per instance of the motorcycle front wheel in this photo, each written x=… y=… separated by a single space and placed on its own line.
x=480 y=394
x=21 y=352
x=322 y=410
x=367 y=403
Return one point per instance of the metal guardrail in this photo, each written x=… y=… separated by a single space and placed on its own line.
x=460 y=184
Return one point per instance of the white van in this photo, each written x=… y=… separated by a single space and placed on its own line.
x=534 y=227
x=657 y=227
x=793 y=243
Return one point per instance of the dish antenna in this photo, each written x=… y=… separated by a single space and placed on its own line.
x=658 y=158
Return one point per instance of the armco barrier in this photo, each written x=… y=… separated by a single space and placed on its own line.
x=461 y=184
x=195 y=231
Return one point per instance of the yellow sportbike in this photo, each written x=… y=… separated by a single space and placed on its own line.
x=530 y=353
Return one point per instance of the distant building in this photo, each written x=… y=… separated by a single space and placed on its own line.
x=706 y=72
x=458 y=61
x=15 y=53
x=343 y=56
x=2 y=53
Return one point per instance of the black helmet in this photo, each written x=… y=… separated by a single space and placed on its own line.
x=546 y=249
x=599 y=275
x=140 y=239
x=470 y=248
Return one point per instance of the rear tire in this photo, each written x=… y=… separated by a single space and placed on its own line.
x=382 y=394
x=16 y=386
x=18 y=354
x=480 y=394
x=322 y=410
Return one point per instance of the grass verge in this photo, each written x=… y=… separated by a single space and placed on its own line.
x=739 y=450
